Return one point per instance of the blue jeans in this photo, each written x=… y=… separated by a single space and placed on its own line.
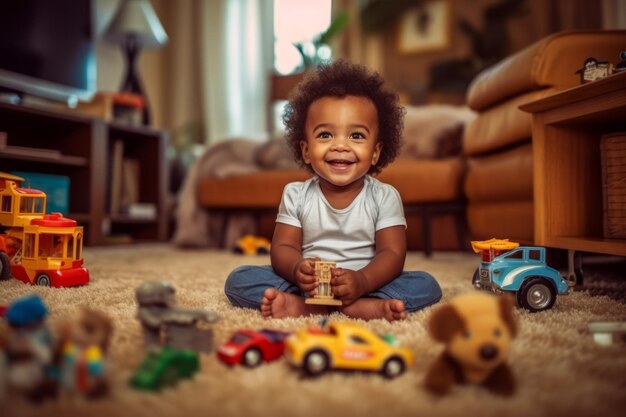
x=246 y=285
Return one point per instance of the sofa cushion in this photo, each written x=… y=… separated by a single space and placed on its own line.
x=257 y=190
x=416 y=181
x=550 y=62
x=506 y=176
x=431 y=180
x=502 y=125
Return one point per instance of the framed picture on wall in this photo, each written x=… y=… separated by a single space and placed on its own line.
x=425 y=28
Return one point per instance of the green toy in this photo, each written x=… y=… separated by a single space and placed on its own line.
x=165 y=367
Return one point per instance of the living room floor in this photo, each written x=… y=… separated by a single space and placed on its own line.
x=559 y=370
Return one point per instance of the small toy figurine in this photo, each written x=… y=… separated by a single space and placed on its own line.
x=250 y=347
x=173 y=336
x=594 y=70
x=520 y=270
x=476 y=329
x=324 y=296
x=166 y=325
x=31 y=360
x=252 y=245
x=84 y=346
x=346 y=346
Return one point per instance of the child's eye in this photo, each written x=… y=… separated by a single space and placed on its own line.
x=324 y=135
x=357 y=135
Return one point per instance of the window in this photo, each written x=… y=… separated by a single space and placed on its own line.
x=299 y=22
x=515 y=255
x=70 y=246
x=29 y=245
x=358 y=340
x=7 y=202
x=51 y=245
x=79 y=246
x=31 y=205
x=534 y=254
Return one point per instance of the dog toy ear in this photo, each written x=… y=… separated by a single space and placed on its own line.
x=506 y=312
x=444 y=322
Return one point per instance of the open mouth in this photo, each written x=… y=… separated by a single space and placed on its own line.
x=340 y=163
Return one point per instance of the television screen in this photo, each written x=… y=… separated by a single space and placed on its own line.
x=47 y=48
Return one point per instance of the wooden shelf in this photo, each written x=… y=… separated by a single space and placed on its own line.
x=79 y=147
x=75 y=161
x=567 y=128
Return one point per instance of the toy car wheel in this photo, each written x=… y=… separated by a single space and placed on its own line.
x=393 y=367
x=316 y=362
x=536 y=294
x=252 y=358
x=42 y=280
x=5 y=266
x=476 y=278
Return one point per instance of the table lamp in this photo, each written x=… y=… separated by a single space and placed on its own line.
x=134 y=26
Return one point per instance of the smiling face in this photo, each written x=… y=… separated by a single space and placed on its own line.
x=341 y=140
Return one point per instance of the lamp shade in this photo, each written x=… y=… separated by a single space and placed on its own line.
x=136 y=19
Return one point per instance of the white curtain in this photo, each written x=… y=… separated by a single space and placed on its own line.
x=236 y=48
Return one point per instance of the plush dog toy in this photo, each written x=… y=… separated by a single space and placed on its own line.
x=477 y=329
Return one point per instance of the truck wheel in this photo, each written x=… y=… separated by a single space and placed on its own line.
x=42 y=280
x=316 y=362
x=5 y=266
x=536 y=294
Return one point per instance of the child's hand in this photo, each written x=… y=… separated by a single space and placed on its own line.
x=304 y=275
x=347 y=285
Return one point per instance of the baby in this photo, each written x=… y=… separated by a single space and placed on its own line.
x=343 y=126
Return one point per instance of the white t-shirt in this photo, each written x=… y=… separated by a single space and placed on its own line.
x=346 y=236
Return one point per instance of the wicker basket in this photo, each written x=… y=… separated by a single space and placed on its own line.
x=613 y=159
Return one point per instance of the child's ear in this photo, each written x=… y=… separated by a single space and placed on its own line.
x=304 y=147
x=377 y=148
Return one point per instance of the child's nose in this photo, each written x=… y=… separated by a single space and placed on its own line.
x=339 y=143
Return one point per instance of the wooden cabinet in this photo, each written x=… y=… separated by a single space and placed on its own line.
x=567 y=128
x=79 y=147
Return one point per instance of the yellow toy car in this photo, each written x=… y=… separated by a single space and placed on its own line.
x=252 y=245
x=346 y=346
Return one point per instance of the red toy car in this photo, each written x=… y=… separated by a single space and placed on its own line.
x=251 y=347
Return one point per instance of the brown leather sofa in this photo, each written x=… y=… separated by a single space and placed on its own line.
x=498 y=145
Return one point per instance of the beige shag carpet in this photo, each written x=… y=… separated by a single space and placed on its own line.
x=559 y=369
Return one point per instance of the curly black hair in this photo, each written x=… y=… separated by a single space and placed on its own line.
x=340 y=79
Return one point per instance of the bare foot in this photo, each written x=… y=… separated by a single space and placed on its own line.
x=376 y=308
x=276 y=304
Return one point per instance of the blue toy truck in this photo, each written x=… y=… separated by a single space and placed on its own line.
x=521 y=270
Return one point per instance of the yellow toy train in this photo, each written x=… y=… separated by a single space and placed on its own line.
x=37 y=248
